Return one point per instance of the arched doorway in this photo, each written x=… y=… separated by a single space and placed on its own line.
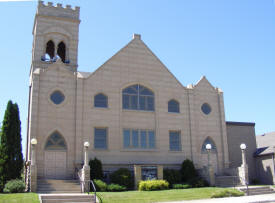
x=55 y=160
x=213 y=154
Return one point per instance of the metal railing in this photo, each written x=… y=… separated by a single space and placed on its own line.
x=82 y=184
x=246 y=184
x=89 y=182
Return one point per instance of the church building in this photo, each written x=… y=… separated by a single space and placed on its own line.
x=132 y=110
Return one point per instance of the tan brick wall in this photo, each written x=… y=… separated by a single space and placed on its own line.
x=236 y=135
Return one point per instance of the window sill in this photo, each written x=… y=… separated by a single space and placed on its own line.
x=173 y=151
x=174 y=112
x=97 y=149
x=136 y=110
x=101 y=108
x=139 y=150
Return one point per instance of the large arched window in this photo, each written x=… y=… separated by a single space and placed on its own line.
x=61 y=51
x=55 y=142
x=138 y=97
x=50 y=48
x=208 y=140
x=173 y=106
x=100 y=100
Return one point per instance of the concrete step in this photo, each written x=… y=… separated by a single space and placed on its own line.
x=258 y=190
x=70 y=198
x=226 y=181
x=47 y=186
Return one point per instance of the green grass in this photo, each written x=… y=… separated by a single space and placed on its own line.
x=19 y=198
x=158 y=196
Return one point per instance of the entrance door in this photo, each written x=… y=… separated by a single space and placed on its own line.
x=55 y=164
x=55 y=160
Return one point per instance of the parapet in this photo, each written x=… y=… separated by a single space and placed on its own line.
x=58 y=10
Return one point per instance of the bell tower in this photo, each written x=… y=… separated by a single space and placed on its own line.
x=55 y=35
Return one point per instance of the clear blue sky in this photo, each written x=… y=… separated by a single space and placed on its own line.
x=231 y=42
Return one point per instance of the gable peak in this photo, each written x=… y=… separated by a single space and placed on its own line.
x=136 y=36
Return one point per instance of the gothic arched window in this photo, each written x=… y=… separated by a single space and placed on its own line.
x=138 y=97
x=55 y=142
x=173 y=106
x=100 y=100
x=61 y=51
x=208 y=140
x=50 y=49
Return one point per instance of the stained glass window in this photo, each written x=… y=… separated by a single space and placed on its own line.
x=57 y=97
x=55 y=142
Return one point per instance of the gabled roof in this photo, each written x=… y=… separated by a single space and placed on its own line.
x=136 y=39
x=204 y=81
x=265 y=144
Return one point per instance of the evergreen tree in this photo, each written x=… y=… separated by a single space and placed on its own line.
x=11 y=158
x=96 y=171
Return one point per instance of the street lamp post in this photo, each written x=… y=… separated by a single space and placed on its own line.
x=33 y=168
x=86 y=146
x=209 y=167
x=33 y=143
x=244 y=168
x=208 y=149
x=86 y=170
x=243 y=147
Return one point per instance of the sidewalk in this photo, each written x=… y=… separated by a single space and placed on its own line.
x=244 y=199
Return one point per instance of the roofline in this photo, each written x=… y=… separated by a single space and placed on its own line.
x=240 y=123
x=264 y=154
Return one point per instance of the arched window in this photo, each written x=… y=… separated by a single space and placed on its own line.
x=173 y=106
x=138 y=97
x=50 y=49
x=208 y=140
x=61 y=51
x=55 y=142
x=100 y=100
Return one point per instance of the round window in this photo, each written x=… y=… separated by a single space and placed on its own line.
x=206 y=109
x=57 y=97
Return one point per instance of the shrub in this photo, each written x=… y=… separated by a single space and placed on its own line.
x=14 y=186
x=171 y=176
x=96 y=169
x=115 y=188
x=150 y=185
x=227 y=193
x=198 y=182
x=100 y=185
x=181 y=186
x=187 y=170
x=255 y=181
x=123 y=177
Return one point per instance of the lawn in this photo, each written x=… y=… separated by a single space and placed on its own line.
x=158 y=196
x=19 y=198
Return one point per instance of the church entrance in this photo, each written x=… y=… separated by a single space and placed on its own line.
x=55 y=159
x=55 y=164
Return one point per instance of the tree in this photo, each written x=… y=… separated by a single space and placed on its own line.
x=188 y=171
x=11 y=158
x=96 y=169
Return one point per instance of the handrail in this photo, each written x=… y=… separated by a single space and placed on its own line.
x=82 y=183
x=246 y=184
x=91 y=181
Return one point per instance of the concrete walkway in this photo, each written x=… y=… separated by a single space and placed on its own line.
x=244 y=199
